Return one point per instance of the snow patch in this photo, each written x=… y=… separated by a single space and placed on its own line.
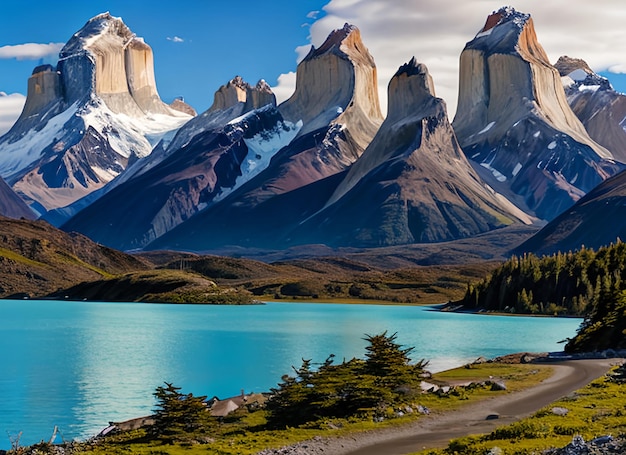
x=552 y=145
x=500 y=177
x=485 y=33
x=261 y=148
x=516 y=169
x=487 y=128
x=567 y=81
x=537 y=134
x=588 y=88
x=19 y=154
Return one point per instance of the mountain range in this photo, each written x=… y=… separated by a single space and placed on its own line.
x=96 y=151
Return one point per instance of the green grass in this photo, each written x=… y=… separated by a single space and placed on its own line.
x=243 y=433
x=21 y=259
x=70 y=259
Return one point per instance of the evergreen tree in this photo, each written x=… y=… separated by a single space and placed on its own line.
x=177 y=415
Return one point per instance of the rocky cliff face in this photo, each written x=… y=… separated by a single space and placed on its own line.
x=211 y=156
x=336 y=108
x=595 y=220
x=11 y=205
x=412 y=184
x=598 y=106
x=85 y=119
x=514 y=122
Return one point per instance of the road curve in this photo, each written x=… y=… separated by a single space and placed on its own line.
x=437 y=430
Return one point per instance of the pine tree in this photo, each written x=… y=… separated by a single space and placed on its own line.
x=178 y=416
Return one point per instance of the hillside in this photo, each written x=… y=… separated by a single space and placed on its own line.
x=37 y=259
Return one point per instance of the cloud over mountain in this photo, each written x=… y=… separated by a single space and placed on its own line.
x=435 y=31
x=30 y=51
x=10 y=109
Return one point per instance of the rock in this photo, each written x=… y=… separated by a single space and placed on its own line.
x=498 y=385
x=86 y=118
x=494 y=416
x=598 y=106
x=559 y=411
x=513 y=120
x=335 y=107
x=180 y=105
x=412 y=184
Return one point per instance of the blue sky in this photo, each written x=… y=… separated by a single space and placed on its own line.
x=200 y=44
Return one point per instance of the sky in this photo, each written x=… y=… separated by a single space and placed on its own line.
x=200 y=45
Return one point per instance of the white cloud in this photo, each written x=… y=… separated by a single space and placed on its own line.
x=175 y=39
x=313 y=14
x=285 y=87
x=436 y=31
x=30 y=51
x=10 y=109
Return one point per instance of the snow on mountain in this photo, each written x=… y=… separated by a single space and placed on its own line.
x=514 y=122
x=84 y=120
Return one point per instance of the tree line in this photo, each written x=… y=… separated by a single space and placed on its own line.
x=586 y=283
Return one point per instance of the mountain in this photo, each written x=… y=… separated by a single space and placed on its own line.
x=412 y=184
x=11 y=205
x=336 y=104
x=513 y=120
x=211 y=156
x=599 y=107
x=84 y=119
x=594 y=221
x=37 y=259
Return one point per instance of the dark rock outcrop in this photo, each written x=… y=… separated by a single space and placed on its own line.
x=599 y=107
x=11 y=205
x=514 y=123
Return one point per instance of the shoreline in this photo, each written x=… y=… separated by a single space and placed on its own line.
x=436 y=430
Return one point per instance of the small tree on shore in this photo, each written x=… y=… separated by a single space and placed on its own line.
x=178 y=415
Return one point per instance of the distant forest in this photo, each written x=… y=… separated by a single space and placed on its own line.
x=585 y=283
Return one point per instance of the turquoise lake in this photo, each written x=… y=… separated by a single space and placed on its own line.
x=79 y=365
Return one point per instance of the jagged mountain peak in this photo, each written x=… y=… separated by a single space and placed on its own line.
x=508 y=31
x=239 y=91
x=505 y=15
x=336 y=83
x=83 y=120
x=411 y=88
x=576 y=73
x=600 y=108
x=514 y=121
x=98 y=26
x=343 y=40
x=567 y=65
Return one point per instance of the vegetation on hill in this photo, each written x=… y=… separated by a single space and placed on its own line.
x=37 y=259
x=156 y=286
x=584 y=283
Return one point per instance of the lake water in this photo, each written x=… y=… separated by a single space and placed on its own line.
x=79 y=365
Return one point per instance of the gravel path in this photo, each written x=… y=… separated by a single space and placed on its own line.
x=436 y=430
